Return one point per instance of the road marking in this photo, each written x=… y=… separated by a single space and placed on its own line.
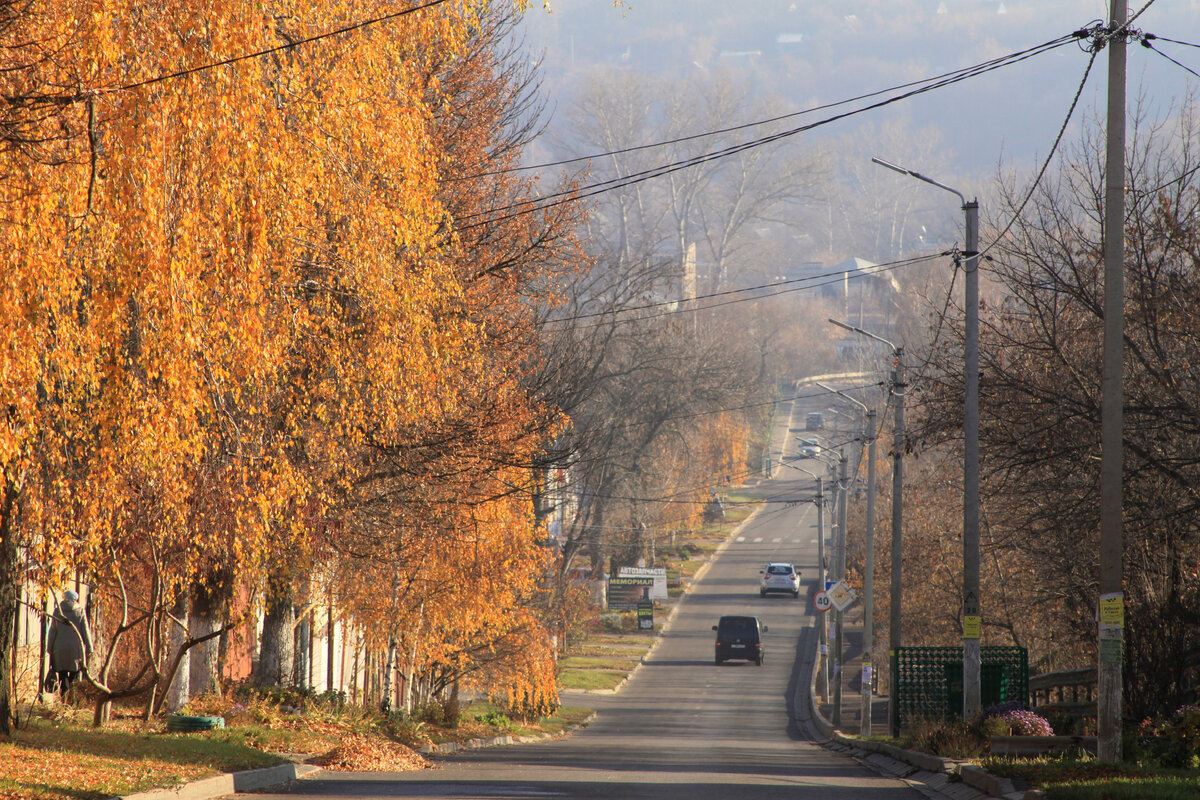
x=759 y=539
x=777 y=540
x=741 y=538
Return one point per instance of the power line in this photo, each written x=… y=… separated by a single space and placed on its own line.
x=834 y=278
x=1146 y=44
x=80 y=97
x=736 y=128
x=1049 y=156
x=726 y=292
x=572 y=195
x=1172 y=41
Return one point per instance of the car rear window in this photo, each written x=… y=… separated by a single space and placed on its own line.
x=779 y=569
x=736 y=625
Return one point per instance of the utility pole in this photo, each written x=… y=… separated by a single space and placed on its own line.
x=972 y=613
x=1112 y=599
x=972 y=617
x=898 y=387
x=869 y=581
x=898 y=391
x=840 y=574
x=822 y=635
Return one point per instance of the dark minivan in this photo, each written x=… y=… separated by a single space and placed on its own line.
x=739 y=637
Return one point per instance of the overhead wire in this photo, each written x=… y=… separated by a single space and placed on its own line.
x=1145 y=41
x=742 y=126
x=573 y=195
x=832 y=278
x=772 y=285
x=356 y=26
x=1049 y=156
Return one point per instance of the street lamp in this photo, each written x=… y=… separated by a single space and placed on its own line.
x=972 y=614
x=869 y=569
x=819 y=500
x=898 y=392
x=839 y=573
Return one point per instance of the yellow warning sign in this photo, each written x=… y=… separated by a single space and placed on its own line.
x=972 y=627
x=1112 y=610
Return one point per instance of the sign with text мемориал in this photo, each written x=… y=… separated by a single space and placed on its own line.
x=625 y=592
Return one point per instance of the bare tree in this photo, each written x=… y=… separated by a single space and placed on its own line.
x=1040 y=402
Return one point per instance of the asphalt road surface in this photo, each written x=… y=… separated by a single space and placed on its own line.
x=682 y=727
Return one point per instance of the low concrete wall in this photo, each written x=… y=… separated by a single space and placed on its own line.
x=1039 y=745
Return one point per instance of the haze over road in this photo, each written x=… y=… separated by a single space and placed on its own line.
x=682 y=727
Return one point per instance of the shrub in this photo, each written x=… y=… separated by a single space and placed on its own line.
x=1011 y=719
x=949 y=738
x=495 y=719
x=1182 y=735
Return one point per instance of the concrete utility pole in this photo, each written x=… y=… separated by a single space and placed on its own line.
x=840 y=575
x=822 y=636
x=972 y=611
x=868 y=662
x=822 y=643
x=1112 y=598
x=971 y=607
x=869 y=566
x=898 y=388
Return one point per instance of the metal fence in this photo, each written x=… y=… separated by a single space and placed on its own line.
x=928 y=681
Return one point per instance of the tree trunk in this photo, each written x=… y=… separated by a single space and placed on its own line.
x=303 y=651
x=277 y=654
x=179 y=690
x=389 y=665
x=10 y=600
x=202 y=675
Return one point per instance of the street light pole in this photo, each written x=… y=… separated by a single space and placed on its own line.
x=972 y=619
x=822 y=641
x=869 y=566
x=840 y=575
x=898 y=392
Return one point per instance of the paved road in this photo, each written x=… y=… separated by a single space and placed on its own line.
x=682 y=727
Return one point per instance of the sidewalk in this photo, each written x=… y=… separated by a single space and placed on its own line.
x=851 y=720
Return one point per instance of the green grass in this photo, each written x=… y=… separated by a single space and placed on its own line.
x=1152 y=788
x=585 y=662
x=615 y=649
x=590 y=679
x=1063 y=778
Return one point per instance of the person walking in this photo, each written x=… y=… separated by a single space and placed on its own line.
x=69 y=643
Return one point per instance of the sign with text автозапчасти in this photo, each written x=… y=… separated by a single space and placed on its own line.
x=659 y=590
x=624 y=593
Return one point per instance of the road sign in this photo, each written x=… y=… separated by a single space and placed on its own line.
x=822 y=601
x=842 y=596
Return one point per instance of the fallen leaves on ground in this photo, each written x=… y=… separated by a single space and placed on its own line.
x=363 y=754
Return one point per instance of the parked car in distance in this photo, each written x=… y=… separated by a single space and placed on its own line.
x=810 y=447
x=739 y=638
x=779 y=576
x=815 y=421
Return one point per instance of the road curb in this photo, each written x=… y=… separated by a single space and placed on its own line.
x=446 y=748
x=228 y=783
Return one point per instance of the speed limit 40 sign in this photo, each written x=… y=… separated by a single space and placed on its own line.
x=822 y=601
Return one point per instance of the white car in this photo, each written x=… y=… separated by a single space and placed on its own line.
x=779 y=577
x=810 y=448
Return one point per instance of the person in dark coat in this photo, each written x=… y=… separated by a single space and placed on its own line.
x=69 y=643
